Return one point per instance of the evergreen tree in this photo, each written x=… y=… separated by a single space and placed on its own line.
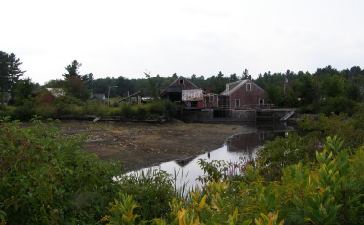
x=10 y=71
x=76 y=84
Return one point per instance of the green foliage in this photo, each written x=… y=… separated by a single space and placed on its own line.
x=152 y=189
x=350 y=129
x=122 y=211
x=282 y=152
x=328 y=191
x=46 y=178
x=24 y=112
x=312 y=176
x=327 y=90
x=23 y=90
x=10 y=71
x=337 y=105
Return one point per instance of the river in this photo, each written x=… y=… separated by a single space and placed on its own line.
x=238 y=148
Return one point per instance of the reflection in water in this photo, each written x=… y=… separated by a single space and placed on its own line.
x=239 y=148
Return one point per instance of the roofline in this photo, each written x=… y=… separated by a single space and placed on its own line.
x=242 y=82
x=176 y=81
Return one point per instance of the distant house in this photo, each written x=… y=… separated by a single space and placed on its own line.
x=174 y=91
x=242 y=94
x=56 y=92
x=99 y=96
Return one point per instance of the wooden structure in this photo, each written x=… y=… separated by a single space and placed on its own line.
x=242 y=94
x=193 y=99
x=134 y=98
x=174 y=91
x=211 y=100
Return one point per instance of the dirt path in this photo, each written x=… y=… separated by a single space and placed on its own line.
x=140 y=145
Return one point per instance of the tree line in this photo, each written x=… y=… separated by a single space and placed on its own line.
x=326 y=90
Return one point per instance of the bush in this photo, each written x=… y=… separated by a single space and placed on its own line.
x=141 y=112
x=46 y=178
x=282 y=152
x=127 y=111
x=338 y=105
x=24 y=112
x=152 y=190
x=162 y=108
x=96 y=108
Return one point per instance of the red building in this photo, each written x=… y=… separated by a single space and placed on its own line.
x=174 y=91
x=242 y=94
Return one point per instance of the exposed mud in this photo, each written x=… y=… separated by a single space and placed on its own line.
x=140 y=145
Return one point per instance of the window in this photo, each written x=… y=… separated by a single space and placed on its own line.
x=237 y=103
x=181 y=81
x=248 y=87
x=261 y=101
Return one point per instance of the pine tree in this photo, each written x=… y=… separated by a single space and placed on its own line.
x=10 y=71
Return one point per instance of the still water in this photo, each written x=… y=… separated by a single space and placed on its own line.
x=238 y=148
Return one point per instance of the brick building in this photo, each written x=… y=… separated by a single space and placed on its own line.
x=242 y=94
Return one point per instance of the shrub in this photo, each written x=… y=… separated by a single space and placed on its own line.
x=24 y=112
x=338 y=105
x=162 y=108
x=152 y=190
x=96 y=108
x=127 y=111
x=141 y=112
x=46 y=178
x=282 y=152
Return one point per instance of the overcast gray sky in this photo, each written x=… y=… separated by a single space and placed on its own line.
x=127 y=38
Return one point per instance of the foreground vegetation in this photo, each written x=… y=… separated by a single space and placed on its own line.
x=314 y=176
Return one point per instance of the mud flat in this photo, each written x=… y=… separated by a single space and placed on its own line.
x=140 y=145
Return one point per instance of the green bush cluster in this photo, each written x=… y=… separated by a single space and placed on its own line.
x=152 y=189
x=70 y=106
x=46 y=178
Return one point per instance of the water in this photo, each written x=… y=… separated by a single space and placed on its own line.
x=239 y=148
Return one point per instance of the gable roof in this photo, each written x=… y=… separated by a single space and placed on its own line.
x=176 y=86
x=232 y=87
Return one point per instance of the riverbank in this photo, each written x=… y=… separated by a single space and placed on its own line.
x=140 y=145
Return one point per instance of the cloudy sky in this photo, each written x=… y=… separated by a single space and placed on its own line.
x=129 y=37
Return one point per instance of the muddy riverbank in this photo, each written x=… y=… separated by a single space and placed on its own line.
x=140 y=145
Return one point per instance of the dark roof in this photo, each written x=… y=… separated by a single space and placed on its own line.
x=178 y=86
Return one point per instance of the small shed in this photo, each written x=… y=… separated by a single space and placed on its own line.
x=174 y=91
x=243 y=94
x=193 y=98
